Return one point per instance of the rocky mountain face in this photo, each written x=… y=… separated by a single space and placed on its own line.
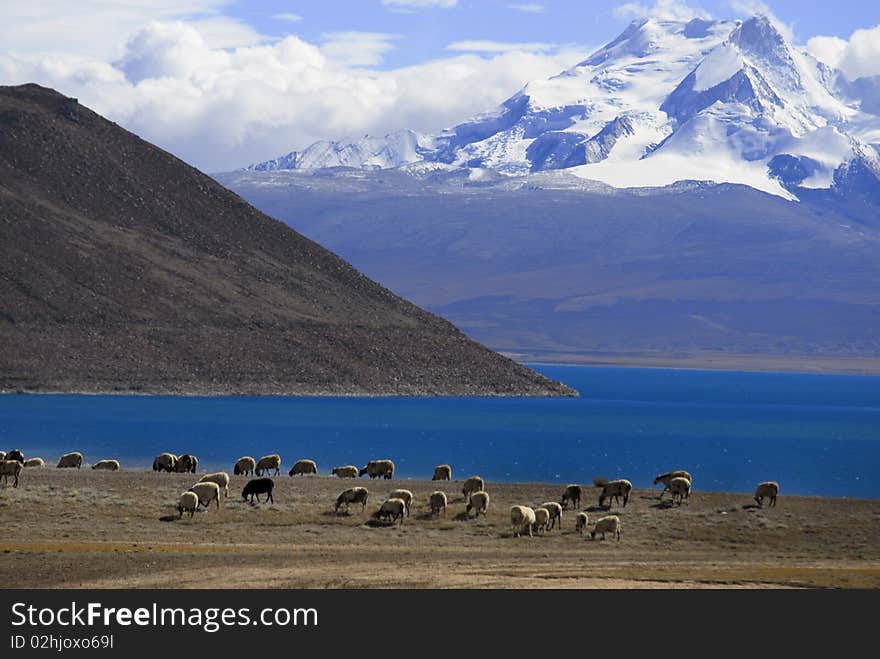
x=122 y=269
x=667 y=101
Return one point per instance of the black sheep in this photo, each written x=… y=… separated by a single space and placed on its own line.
x=258 y=486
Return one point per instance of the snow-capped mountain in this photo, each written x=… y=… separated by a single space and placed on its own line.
x=666 y=101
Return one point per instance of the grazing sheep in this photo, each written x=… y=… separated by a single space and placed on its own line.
x=107 y=465
x=572 y=494
x=348 y=471
x=207 y=492
x=392 y=509
x=70 y=461
x=186 y=464
x=407 y=497
x=542 y=519
x=471 y=485
x=11 y=468
x=438 y=503
x=608 y=524
x=244 y=466
x=267 y=463
x=303 y=467
x=165 y=462
x=767 y=489
x=352 y=495
x=377 y=468
x=555 y=511
x=522 y=518
x=668 y=476
x=15 y=454
x=256 y=487
x=581 y=522
x=479 y=501
x=614 y=489
x=680 y=487
x=35 y=462
x=442 y=473
x=188 y=502
x=219 y=477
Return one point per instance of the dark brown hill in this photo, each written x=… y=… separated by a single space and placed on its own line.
x=123 y=269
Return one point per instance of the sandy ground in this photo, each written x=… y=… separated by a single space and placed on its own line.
x=69 y=528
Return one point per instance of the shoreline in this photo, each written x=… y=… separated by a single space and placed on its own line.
x=872 y=369
x=868 y=366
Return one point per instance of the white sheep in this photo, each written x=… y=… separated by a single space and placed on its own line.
x=614 y=489
x=680 y=487
x=165 y=462
x=392 y=509
x=438 y=502
x=572 y=494
x=479 y=502
x=11 y=468
x=348 y=471
x=378 y=469
x=668 y=476
x=207 y=492
x=107 y=465
x=219 y=477
x=522 y=518
x=303 y=467
x=2 y=455
x=352 y=495
x=471 y=485
x=555 y=511
x=244 y=466
x=188 y=502
x=70 y=461
x=442 y=473
x=609 y=524
x=767 y=489
x=542 y=520
x=35 y=462
x=268 y=463
x=581 y=522
x=407 y=497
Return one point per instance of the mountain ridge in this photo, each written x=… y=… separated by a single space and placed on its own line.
x=666 y=101
x=124 y=270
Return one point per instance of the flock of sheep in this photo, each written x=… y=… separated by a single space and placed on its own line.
x=524 y=519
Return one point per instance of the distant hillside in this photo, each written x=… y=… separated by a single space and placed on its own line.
x=123 y=269
x=693 y=274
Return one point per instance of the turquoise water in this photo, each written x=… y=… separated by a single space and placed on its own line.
x=815 y=434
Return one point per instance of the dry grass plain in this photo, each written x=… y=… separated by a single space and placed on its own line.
x=87 y=529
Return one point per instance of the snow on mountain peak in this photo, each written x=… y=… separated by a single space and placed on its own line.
x=666 y=101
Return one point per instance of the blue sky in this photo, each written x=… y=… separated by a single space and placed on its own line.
x=223 y=83
x=426 y=32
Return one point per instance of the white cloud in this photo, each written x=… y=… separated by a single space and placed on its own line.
x=95 y=28
x=673 y=10
x=857 y=57
x=357 y=48
x=485 y=46
x=290 y=18
x=532 y=8
x=220 y=108
x=445 y=4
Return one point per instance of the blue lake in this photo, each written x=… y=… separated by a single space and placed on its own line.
x=815 y=434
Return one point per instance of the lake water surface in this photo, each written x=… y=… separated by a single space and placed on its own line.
x=815 y=434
